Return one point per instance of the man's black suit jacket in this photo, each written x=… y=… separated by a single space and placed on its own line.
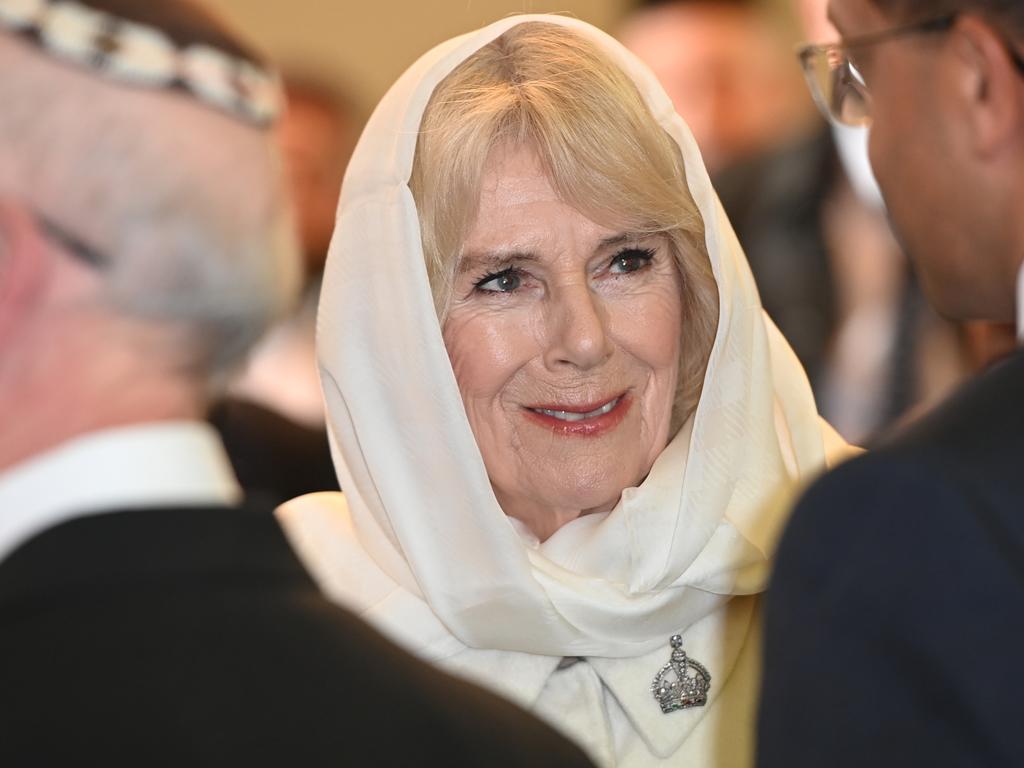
x=273 y=458
x=193 y=637
x=895 y=617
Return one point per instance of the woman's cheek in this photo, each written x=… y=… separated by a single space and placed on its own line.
x=486 y=348
x=648 y=326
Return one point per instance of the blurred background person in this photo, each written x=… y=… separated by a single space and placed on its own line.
x=726 y=67
x=149 y=613
x=316 y=133
x=272 y=421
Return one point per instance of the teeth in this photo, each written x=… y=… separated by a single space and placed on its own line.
x=570 y=416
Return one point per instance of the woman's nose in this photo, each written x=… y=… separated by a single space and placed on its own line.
x=577 y=332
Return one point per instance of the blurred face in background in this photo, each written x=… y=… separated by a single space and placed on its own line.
x=728 y=72
x=316 y=138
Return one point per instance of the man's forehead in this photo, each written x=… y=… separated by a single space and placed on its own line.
x=156 y=44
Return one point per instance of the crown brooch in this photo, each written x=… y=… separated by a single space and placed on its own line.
x=683 y=682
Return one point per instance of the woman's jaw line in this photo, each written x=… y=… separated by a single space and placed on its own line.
x=546 y=521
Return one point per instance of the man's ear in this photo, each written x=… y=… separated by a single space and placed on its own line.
x=25 y=263
x=988 y=85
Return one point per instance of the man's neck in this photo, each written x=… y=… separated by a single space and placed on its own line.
x=81 y=370
x=44 y=406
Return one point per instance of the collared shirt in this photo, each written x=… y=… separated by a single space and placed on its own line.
x=607 y=705
x=158 y=464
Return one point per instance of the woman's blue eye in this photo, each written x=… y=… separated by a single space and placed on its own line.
x=630 y=260
x=505 y=281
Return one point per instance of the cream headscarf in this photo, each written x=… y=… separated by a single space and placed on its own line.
x=419 y=544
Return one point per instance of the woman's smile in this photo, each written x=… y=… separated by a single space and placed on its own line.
x=580 y=420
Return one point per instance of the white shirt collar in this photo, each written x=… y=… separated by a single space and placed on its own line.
x=144 y=465
x=1020 y=304
x=717 y=642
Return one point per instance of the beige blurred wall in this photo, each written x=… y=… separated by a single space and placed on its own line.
x=366 y=45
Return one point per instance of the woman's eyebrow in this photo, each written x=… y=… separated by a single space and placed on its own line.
x=621 y=239
x=493 y=259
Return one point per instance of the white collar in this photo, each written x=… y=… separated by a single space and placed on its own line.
x=143 y=465
x=1020 y=304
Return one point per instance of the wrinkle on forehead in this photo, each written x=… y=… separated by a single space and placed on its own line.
x=516 y=174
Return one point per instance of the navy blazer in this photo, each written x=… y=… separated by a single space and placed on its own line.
x=894 y=629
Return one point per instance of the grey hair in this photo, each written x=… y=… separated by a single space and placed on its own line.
x=187 y=206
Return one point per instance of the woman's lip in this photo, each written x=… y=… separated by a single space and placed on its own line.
x=582 y=421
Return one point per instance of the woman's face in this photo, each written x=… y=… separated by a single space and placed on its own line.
x=564 y=336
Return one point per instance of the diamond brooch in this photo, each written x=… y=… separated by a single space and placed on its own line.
x=683 y=682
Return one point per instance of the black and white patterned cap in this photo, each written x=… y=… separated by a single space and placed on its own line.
x=160 y=44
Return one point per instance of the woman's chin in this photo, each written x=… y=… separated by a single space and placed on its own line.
x=547 y=515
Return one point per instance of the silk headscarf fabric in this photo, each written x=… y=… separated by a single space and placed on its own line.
x=423 y=548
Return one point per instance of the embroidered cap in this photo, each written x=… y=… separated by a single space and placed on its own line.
x=160 y=44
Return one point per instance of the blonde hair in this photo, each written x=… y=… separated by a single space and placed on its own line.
x=548 y=88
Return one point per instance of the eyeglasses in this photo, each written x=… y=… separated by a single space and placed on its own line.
x=837 y=85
